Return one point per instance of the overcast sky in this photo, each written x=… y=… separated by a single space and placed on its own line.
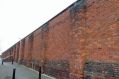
x=18 y=18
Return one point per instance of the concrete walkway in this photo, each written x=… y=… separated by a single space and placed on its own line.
x=22 y=72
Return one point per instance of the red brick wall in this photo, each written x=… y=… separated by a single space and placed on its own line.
x=95 y=36
x=26 y=54
x=37 y=49
x=58 y=46
x=102 y=20
x=103 y=31
x=79 y=43
x=21 y=51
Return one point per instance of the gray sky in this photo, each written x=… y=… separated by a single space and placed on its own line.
x=18 y=18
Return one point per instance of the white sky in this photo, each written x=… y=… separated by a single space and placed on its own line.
x=18 y=18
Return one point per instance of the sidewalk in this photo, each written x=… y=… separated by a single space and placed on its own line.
x=22 y=72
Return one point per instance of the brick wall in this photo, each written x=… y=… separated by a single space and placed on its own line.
x=79 y=43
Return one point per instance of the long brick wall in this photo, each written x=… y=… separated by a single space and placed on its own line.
x=79 y=43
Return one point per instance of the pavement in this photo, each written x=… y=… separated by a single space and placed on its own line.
x=22 y=72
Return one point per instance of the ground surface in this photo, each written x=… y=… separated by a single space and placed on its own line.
x=22 y=72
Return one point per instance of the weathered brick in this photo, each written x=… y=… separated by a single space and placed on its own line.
x=88 y=30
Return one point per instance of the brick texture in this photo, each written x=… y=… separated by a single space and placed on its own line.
x=79 y=43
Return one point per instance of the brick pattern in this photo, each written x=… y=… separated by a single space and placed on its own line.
x=102 y=70
x=87 y=30
x=61 y=67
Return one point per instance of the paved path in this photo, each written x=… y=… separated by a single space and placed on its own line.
x=22 y=72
